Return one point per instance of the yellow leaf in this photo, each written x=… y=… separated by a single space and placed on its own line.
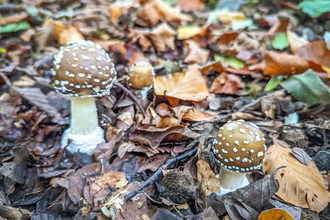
x=189 y=85
x=186 y=32
x=300 y=185
x=228 y=16
x=275 y=214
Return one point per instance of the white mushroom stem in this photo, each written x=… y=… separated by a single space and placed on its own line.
x=230 y=181
x=83 y=115
x=84 y=131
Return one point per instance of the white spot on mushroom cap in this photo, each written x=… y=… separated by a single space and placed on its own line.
x=245 y=160
x=84 y=57
x=260 y=154
x=235 y=149
x=236 y=142
x=224 y=151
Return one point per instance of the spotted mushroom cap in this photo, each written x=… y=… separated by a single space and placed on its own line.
x=141 y=75
x=83 y=68
x=239 y=146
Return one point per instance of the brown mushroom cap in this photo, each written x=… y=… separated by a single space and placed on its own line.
x=83 y=68
x=141 y=75
x=239 y=146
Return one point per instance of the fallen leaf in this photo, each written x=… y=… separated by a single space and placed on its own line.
x=300 y=185
x=280 y=42
x=168 y=13
x=188 y=113
x=186 y=32
x=296 y=42
x=189 y=85
x=195 y=54
x=163 y=36
x=210 y=184
x=153 y=163
x=13 y=19
x=154 y=136
x=226 y=83
x=104 y=150
x=149 y=16
x=228 y=17
x=308 y=87
x=316 y=52
x=216 y=66
x=190 y=5
x=314 y=8
x=168 y=122
x=284 y=64
x=301 y=155
x=274 y=214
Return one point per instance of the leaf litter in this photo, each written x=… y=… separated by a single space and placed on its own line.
x=214 y=61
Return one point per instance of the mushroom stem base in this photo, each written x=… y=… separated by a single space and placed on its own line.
x=230 y=181
x=82 y=143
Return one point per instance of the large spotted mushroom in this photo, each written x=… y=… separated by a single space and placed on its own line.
x=82 y=71
x=239 y=148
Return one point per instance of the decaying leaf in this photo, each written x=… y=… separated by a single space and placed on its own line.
x=190 y=114
x=226 y=83
x=189 y=85
x=168 y=13
x=195 y=54
x=315 y=52
x=274 y=214
x=163 y=36
x=210 y=184
x=300 y=185
x=284 y=64
x=190 y=5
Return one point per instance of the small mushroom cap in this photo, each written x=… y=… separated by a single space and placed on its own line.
x=83 y=68
x=141 y=75
x=239 y=146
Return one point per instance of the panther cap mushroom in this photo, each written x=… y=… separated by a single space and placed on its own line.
x=239 y=148
x=141 y=75
x=83 y=70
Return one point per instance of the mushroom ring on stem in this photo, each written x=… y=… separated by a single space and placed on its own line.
x=239 y=148
x=82 y=71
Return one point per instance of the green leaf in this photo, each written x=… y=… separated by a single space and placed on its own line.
x=236 y=25
x=281 y=41
x=308 y=87
x=233 y=62
x=33 y=12
x=23 y=25
x=273 y=83
x=2 y=50
x=315 y=8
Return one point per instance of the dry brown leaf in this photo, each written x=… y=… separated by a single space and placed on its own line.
x=216 y=66
x=284 y=64
x=189 y=85
x=275 y=214
x=168 y=13
x=242 y=115
x=300 y=185
x=140 y=36
x=295 y=41
x=190 y=5
x=210 y=184
x=316 y=52
x=13 y=19
x=188 y=113
x=229 y=16
x=226 y=83
x=149 y=16
x=163 y=35
x=195 y=54
x=168 y=122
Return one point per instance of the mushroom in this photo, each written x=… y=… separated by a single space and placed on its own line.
x=82 y=71
x=239 y=148
x=141 y=77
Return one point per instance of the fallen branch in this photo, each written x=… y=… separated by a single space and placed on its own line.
x=154 y=177
x=225 y=118
x=131 y=95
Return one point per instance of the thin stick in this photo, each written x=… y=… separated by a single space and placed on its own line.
x=244 y=108
x=130 y=94
x=159 y=171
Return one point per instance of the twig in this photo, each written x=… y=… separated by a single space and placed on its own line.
x=159 y=171
x=130 y=94
x=227 y=116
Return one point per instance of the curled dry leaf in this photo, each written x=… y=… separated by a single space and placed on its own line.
x=226 y=83
x=168 y=122
x=274 y=214
x=284 y=64
x=216 y=66
x=210 y=184
x=195 y=54
x=295 y=41
x=189 y=85
x=300 y=185
x=190 y=5
x=163 y=35
x=316 y=53
x=168 y=13
x=190 y=114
